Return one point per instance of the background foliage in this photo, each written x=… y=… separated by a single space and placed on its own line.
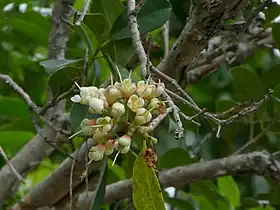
x=105 y=34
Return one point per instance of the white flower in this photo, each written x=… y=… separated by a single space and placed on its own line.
x=134 y=103
x=112 y=94
x=154 y=104
x=142 y=116
x=118 y=110
x=127 y=88
x=76 y=98
x=96 y=105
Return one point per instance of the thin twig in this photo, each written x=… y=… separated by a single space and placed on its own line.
x=165 y=34
x=174 y=83
x=132 y=22
x=83 y=14
x=179 y=133
x=255 y=139
x=18 y=176
x=8 y=80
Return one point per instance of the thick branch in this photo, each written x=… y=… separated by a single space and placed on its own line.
x=261 y=163
x=56 y=185
x=37 y=148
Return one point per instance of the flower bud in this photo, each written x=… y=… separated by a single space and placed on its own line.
x=84 y=92
x=87 y=130
x=154 y=104
x=125 y=149
x=160 y=88
x=96 y=152
x=76 y=98
x=134 y=103
x=96 y=105
x=112 y=94
x=154 y=140
x=88 y=122
x=118 y=110
x=100 y=136
x=106 y=128
x=124 y=140
x=110 y=147
x=142 y=116
x=127 y=88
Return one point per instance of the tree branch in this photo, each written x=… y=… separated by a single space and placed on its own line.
x=261 y=163
x=37 y=148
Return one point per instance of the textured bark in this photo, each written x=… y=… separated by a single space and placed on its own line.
x=204 y=22
x=37 y=148
x=261 y=163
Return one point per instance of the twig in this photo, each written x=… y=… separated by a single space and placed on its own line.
x=35 y=124
x=190 y=118
x=173 y=82
x=132 y=22
x=261 y=163
x=155 y=122
x=165 y=34
x=255 y=139
x=18 y=176
x=179 y=133
x=56 y=100
x=8 y=80
x=255 y=106
x=85 y=69
x=85 y=9
x=197 y=109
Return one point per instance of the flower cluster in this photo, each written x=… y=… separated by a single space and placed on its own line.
x=135 y=104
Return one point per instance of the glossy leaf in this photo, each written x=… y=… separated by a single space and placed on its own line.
x=63 y=79
x=146 y=191
x=97 y=202
x=110 y=9
x=276 y=33
x=246 y=84
x=175 y=157
x=152 y=15
x=28 y=28
x=54 y=64
x=77 y=114
x=13 y=141
x=229 y=189
x=248 y=203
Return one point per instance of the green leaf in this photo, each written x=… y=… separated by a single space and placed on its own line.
x=271 y=77
x=63 y=79
x=116 y=173
x=28 y=28
x=152 y=15
x=203 y=203
x=45 y=168
x=120 y=51
x=98 y=200
x=229 y=189
x=271 y=12
x=110 y=9
x=246 y=84
x=146 y=192
x=181 y=204
x=276 y=33
x=175 y=157
x=276 y=93
x=248 y=203
x=16 y=112
x=96 y=22
x=77 y=114
x=13 y=141
x=55 y=64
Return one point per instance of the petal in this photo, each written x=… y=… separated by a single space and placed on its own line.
x=76 y=98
